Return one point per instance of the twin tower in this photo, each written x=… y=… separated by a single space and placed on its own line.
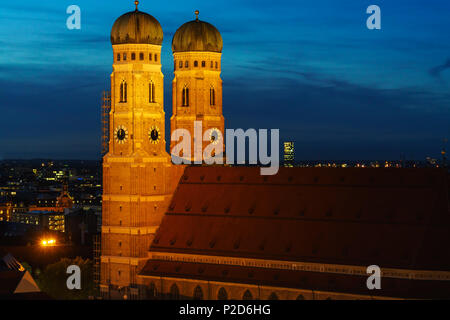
x=138 y=175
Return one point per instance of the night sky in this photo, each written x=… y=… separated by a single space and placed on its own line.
x=310 y=68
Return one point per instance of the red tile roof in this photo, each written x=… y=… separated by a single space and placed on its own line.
x=390 y=217
x=394 y=218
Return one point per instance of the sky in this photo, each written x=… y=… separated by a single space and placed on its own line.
x=309 y=68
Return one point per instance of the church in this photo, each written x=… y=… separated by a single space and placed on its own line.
x=221 y=232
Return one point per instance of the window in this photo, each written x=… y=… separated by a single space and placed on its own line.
x=174 y=292
x=222 y=295
x=212 y=96
x=181 y=64
x=195 y=63
x=212 y=64
x=186 y=64
x=151 y=92
x=118 y=57
x=185 y=97
x=141 y=56
x=273 y=296
x=123 y=91
x=203 y=64
x=133 y=56
x=217 y=64
x=156 y=57
x=124 y=57
x=151 y=291
x=198 y=293
x=150 y=57
x=247 y=295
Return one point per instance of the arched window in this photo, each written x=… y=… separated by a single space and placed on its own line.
x=222 y=295
x=156 y=57
x=181 y=64
x=124 y=57
x=141 y=56
x=198 y=293
x=133 y=56
x=217 y=64
x=247 y=295
x=151 y=92
x=118 y=57
x=273 y=296
x=150 y=56
x=123 y=91
x=212 y=96
x=186 y=64
x=185 y=97
x=151 y=291
x=174 y=292
x=203 y=64
x=195 y=63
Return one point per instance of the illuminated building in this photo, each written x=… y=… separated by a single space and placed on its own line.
x=289 y=154
x=217 y=232
x=5 y=211
x=197 y=86
x=138 y=177
x=45 y=219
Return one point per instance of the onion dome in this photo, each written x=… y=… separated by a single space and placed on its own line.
x=197 y=35
x=136 y=27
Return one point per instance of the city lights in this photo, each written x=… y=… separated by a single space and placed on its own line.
x=48 y=242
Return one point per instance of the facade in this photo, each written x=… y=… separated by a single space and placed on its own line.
x=289 y=153
x=197 y=86
x=50 y=220
x=138 y=177
x=217 y=232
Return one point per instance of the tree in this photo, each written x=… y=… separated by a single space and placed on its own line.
x=53 y=280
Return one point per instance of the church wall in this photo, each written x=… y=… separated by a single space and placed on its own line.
x=236 y=291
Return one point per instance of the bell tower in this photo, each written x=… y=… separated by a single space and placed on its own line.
x=197 y=86
x=138 y=177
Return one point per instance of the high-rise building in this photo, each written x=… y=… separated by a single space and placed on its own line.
x=289 y=153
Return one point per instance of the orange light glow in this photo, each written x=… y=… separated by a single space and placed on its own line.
x=48 y=242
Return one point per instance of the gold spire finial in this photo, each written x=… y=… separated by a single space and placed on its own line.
x=136 y=3
x=196 y=14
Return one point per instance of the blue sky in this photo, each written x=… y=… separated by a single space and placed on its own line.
x=310 y=68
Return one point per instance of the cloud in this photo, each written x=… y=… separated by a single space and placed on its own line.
x=436 y=71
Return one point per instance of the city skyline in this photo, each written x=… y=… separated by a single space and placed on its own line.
x=337 y=89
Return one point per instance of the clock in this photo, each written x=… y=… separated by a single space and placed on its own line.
x=154 y=135
x=121 y=134
x=214 y=136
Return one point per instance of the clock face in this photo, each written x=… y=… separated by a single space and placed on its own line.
x=154 y=135
x=121 y=134
x=214 y=136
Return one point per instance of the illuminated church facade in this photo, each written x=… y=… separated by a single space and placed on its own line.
x=216 y=232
